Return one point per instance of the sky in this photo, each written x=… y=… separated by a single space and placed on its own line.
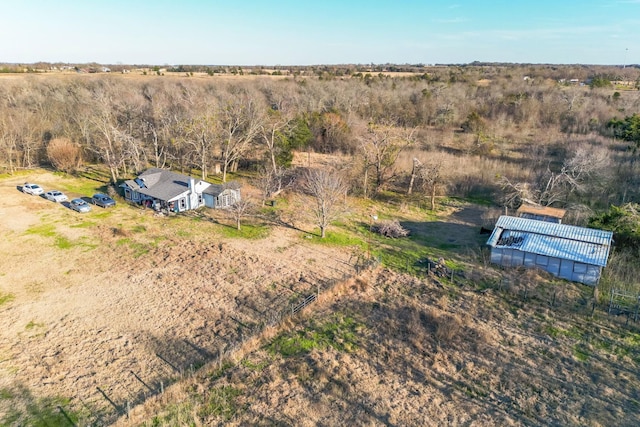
x=301 y=32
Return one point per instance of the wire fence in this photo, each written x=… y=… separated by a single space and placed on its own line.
x=101 y=407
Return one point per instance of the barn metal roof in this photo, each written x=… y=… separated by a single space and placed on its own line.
x=587 y=245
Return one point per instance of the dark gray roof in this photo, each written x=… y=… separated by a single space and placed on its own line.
x=160 y=184
x=217 y=189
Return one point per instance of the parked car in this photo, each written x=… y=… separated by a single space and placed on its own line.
x=56 y=196
x=33 y=189
x=102 y=200
x=80 y=205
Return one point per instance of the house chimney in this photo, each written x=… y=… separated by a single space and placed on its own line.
x=192 y=185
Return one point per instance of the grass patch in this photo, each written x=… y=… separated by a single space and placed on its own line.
x=340 y=334
x=259 y=366
x=220 y=402
x=580 y=353
x=44 y=230
x=32 y=325
x=221 y=371
x=36 y=412
x=49 y=230
x=247 y=231
x=139 y=229
x=73 y=184
x=63 y=243
x=102 y=215
x=138 y=248
x=6 y=298
x=83 y=224
x=180 y=414
x=339 y=239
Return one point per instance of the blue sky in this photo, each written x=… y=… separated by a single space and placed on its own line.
x=289 y=32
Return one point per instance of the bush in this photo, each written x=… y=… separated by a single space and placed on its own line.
x=624 y=221
x=64 y=155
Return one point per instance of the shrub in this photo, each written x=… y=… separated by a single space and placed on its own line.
x=64 y=155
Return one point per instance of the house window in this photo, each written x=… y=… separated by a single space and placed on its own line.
x=199 y=199
x=127 y=194
x=183 y=204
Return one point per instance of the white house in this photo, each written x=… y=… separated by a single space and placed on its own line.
x=164 y=189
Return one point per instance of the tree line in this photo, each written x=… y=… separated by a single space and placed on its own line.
x=525 y=132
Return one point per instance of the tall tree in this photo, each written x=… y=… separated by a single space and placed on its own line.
x=240 y=122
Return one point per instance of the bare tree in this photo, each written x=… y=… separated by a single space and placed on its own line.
x=432 y=176
x=380 y=145
x=199 y=133
x=272 y=132
x=241 y=209
x=241 y=120
x=272 y=182
x=587 y=169
x=328 y=189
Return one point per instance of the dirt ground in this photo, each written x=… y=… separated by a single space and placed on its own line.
x=111 y=303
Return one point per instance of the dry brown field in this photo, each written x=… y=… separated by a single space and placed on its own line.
x=100 y=311
x=90 y=299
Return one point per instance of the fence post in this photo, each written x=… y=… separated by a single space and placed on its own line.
x=610 y=302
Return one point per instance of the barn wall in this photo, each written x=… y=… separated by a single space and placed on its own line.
x=565 y=269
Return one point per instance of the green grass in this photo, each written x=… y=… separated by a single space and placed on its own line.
x=60 y=241
x=140 y=248
x=179 y=414
x=340 y=334
x=220 y=402
x=254 y=366
x=63 y=243
x=247 y=231
x=85 y=187
x=337 y=238
x=32 y=325
x=83 y=224
x=6 y=298
x=36 y=412
x=44 y=230
x=580 y=353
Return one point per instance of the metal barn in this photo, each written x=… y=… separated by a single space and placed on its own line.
x=566 y=251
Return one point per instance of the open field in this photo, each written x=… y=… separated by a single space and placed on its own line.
x=87 y=299
x=103 y=310
x=395 y=350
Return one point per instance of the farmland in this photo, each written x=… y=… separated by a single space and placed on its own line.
x=122 y=303
x=90 y=298
x=129 y=317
